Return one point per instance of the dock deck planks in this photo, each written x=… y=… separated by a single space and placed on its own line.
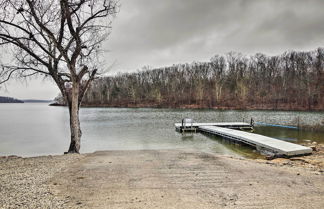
x=222 y=124
x=277 y=146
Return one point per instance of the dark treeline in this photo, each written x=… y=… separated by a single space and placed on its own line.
x=291 y=81
x=9 y=100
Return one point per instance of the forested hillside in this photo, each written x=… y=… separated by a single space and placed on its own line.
x=292 y=81
x=9 y=100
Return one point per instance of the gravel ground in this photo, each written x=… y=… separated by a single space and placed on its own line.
x=313 y=162
x=147 y=179
x=23 y=181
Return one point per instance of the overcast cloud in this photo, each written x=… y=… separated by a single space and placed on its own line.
x=165 y=32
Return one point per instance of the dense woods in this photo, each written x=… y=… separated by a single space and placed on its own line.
x=291 y=81
x=9 y=100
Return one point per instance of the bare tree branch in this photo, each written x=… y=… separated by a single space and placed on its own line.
x=57 y=39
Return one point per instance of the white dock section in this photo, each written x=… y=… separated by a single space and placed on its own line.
x=223 y=124
x=277 y=146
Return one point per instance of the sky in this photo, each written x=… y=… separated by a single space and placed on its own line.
x=164 y=32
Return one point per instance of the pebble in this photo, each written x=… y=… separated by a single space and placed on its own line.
x=24 y=181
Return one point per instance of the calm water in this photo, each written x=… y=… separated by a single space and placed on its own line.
x=38 y=129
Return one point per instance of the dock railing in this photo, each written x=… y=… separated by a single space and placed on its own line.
x=187 y=125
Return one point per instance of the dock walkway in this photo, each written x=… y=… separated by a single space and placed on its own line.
x=276 y=146
x=260 y=142
x=235 y=125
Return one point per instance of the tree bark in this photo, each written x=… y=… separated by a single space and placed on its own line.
x=74 y=120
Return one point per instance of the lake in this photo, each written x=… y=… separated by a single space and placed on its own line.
x=33 y=129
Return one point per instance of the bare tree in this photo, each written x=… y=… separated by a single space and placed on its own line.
x=59 y=39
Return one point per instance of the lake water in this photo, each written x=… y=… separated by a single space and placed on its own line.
x=38 y=129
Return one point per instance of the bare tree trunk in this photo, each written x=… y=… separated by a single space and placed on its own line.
x=74 y=120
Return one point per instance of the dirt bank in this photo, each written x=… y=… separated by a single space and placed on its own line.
x=313 y=162
x=156 y=179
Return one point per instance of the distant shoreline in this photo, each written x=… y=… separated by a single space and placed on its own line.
x=37 y=101
x=197 y=107
x=10 y=100
x=15 y=100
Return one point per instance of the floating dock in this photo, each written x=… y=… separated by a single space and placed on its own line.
x=261 y=143
x=276 y=146
x=233 y=125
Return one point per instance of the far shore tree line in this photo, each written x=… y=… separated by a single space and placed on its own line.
x=290 y=81
x=9 y=100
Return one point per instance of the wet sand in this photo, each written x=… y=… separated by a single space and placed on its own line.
x=156 y=179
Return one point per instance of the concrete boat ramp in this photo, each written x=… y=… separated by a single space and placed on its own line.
x=260 y=142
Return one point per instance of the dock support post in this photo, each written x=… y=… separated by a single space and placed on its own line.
x=252 y=123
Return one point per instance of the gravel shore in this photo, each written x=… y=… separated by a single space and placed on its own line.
x=147 y=179
x=23 y=181
x=313 y=162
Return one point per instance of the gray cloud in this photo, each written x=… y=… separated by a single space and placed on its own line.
x=164 y=32
x=160 y=33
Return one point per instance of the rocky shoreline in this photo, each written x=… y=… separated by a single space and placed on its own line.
x=313 y=162
x=24 y=180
